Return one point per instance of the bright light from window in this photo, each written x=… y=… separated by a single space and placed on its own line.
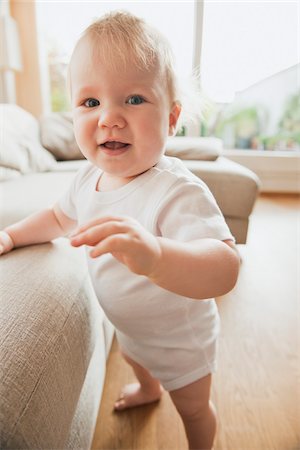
x=246 y=42
x=60 y=24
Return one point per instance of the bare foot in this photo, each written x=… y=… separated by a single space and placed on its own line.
x=133 y=395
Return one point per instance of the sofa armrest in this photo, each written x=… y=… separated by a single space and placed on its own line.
x=234 y=186
x=51 y=323
x=235 y=189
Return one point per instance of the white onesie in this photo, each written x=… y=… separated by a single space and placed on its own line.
x=174 y=337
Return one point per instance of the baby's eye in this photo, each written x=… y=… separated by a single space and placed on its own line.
x=135 y=100
x=91 y=103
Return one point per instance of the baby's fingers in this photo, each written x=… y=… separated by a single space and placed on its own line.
x=118 y=243
x=95 y=222
x=6 y=243
x=96 y=234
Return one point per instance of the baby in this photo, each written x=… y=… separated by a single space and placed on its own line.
x=158 y=248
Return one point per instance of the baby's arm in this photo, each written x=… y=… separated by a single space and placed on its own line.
x=37 y=228
x=201 y=269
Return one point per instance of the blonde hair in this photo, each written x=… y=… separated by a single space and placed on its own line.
x=123 y=38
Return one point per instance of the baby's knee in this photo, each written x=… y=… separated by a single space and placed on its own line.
x=193 y=401
x=193 y=411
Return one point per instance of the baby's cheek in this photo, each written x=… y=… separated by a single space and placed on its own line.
x=82 y=131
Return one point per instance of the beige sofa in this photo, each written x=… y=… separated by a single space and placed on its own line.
x=54 y=336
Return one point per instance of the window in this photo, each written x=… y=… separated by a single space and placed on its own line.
x=250 y=70
x=249 y=65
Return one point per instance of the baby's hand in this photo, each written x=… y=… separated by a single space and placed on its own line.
x=125 y=238
x=6 y=243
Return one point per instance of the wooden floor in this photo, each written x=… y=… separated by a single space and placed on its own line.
x=257 y=387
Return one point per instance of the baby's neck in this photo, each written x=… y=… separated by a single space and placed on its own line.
x=109 y=182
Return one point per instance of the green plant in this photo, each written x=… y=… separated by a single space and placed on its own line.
x=59 y=100
x=290 y=121
x=246 y=123
x=181 y=131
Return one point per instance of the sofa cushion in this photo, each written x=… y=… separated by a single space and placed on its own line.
x=29 y=193
x=57 y=136
x=20 y=148
x=194 y=148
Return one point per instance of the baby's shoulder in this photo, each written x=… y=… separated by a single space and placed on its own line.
x=173 y=173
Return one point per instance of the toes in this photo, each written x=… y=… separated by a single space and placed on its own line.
x=120 y=404
x=132 y=395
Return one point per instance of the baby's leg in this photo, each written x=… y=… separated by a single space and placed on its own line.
x=197 y=413
x=147 y=390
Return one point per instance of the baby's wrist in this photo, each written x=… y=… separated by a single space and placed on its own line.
x=6 y=242
x=156 y=270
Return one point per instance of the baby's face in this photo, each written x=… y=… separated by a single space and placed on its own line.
x=121 y=117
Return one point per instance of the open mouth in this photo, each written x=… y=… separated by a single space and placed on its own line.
x=114 y=145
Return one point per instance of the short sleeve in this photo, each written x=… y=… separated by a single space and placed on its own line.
x=68 y=201
x=189 y=212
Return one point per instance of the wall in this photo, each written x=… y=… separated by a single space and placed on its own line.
x=28 y=81
x=278 y=171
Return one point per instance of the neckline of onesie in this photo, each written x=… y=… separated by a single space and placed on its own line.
x=117 y=194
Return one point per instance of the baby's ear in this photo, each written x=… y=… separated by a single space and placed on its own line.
x=173 y=117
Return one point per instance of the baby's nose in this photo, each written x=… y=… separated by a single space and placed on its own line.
x=111 y=117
